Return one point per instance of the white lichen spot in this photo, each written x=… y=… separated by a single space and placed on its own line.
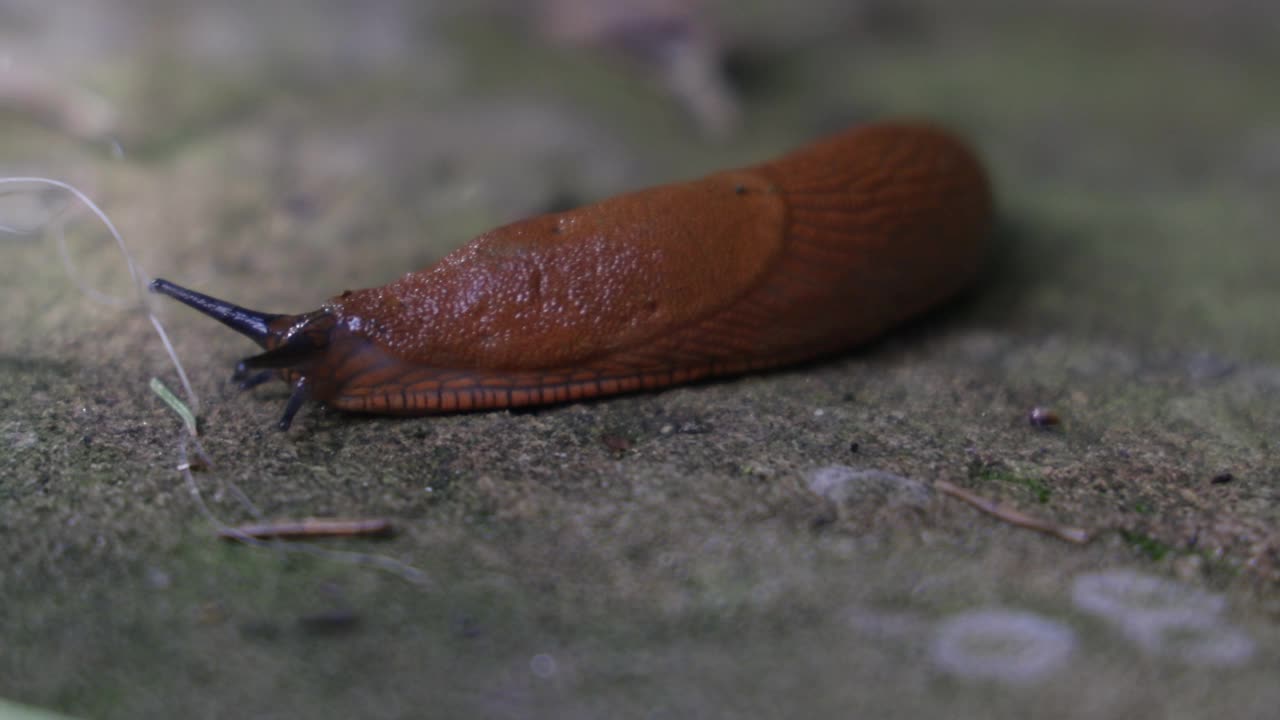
x=844 y=485
x=542 y=665
x=1195 y=641
x=1121 y=594
x=1007 y=646
x=1164 y=618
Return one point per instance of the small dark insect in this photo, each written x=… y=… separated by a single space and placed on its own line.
x=1222 y=478
x=1043 y=418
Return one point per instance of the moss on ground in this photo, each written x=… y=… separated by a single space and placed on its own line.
x=661 y=553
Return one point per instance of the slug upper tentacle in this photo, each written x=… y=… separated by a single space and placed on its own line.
x=294 y=343
x=746 y=269
x=250 y=323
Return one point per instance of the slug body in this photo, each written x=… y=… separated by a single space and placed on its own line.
x=742 y=270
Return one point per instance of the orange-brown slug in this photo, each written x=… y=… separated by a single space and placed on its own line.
x=810 y=254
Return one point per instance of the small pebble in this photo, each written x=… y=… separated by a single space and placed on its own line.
x=1043 y=418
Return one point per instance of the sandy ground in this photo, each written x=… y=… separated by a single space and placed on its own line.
x=769 y=546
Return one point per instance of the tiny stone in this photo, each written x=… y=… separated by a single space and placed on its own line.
x=1043 y=418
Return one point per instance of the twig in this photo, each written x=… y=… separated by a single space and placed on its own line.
x=309 y=528
x=1015 y=517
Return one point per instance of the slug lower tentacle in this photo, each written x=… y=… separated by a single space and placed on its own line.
x=746 y=269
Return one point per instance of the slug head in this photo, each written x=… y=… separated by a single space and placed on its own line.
x=298 y=347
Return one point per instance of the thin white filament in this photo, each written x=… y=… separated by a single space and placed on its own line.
x=387 y=564
x=135 y=275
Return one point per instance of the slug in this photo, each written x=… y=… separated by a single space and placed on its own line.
x=804 y=256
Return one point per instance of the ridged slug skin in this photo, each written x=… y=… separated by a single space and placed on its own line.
x=813 y=253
